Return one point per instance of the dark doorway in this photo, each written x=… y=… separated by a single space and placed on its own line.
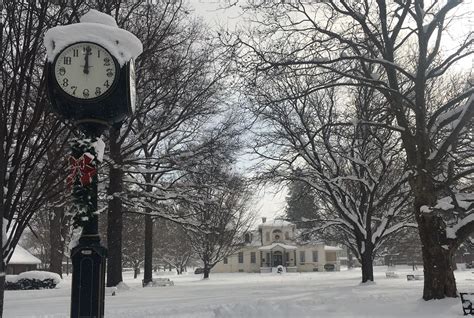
x=277 y=259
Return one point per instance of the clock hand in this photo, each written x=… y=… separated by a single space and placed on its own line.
x=86 y=65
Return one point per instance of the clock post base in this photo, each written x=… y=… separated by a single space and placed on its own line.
x=88 y=279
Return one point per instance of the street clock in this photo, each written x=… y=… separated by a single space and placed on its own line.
x=87 y=84
x=90 y=78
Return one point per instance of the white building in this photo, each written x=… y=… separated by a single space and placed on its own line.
x=22 y=261
x=274 y=243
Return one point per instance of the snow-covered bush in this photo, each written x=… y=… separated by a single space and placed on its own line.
x=32 y=280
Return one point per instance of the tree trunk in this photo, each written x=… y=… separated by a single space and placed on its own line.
x=114 y=215
x=148 y=270
x=2 y=292
x=56 y=241
x=367 y=264
x=206 y=273
x=367 y=268
x=439 y=281
x=2 y=274
x=453 y=260
x=350 y=259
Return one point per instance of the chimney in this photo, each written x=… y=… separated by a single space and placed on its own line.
x=264 y=219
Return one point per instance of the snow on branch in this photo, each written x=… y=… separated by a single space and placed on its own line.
x=463 y=204
x=463 y=114
x=441 y=119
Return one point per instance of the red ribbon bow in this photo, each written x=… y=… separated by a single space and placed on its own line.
x=81 y=167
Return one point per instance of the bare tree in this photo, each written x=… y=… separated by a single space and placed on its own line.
x=405 y=39
x=133 y=237
x=27 y=132
x=223 y=214
x=173 y=246
x=49 y=231
x=355 y=169
x=179 y=90
x=162 y=29
x=403 y=248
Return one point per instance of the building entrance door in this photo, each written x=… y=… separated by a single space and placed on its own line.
x=277 y=259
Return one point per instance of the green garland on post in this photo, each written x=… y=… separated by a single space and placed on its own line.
x=84 y=180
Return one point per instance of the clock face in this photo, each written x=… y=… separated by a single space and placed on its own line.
x=85 y=71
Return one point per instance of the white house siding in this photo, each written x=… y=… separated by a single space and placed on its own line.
x=279 y=237
x=233 y=265
x=308 y=265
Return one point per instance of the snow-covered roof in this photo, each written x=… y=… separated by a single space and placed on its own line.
x=272 y=246
x=96 y=27
x=332 y=248
x=276 y=223
x=22 y=256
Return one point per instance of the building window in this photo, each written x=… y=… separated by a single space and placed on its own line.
x=225 y=260
x=241 y=257
x=267 y=236
x=253 y=258
x=331 y=257
x=247 y=238
x=315 y=256
x=302 y=257
x=287 y=236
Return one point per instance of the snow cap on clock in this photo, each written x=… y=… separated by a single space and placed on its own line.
x=96 y=27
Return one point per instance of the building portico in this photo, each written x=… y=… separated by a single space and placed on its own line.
x=278 y=254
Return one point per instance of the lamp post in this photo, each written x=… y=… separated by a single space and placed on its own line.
x=91 y=82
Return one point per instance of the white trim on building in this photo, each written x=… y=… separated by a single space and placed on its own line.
x=274 y=243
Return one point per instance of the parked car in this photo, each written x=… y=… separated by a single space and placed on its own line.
x=199 y=270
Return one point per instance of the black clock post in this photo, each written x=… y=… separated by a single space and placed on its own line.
x=88 y=86
x=88 y=256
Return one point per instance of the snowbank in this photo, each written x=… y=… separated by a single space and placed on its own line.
x=32 y=280
x=38 y=275
x=323 y=294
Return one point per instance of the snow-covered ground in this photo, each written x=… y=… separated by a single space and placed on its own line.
x=336 y=294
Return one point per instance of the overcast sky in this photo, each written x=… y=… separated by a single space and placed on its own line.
x=270 y=200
